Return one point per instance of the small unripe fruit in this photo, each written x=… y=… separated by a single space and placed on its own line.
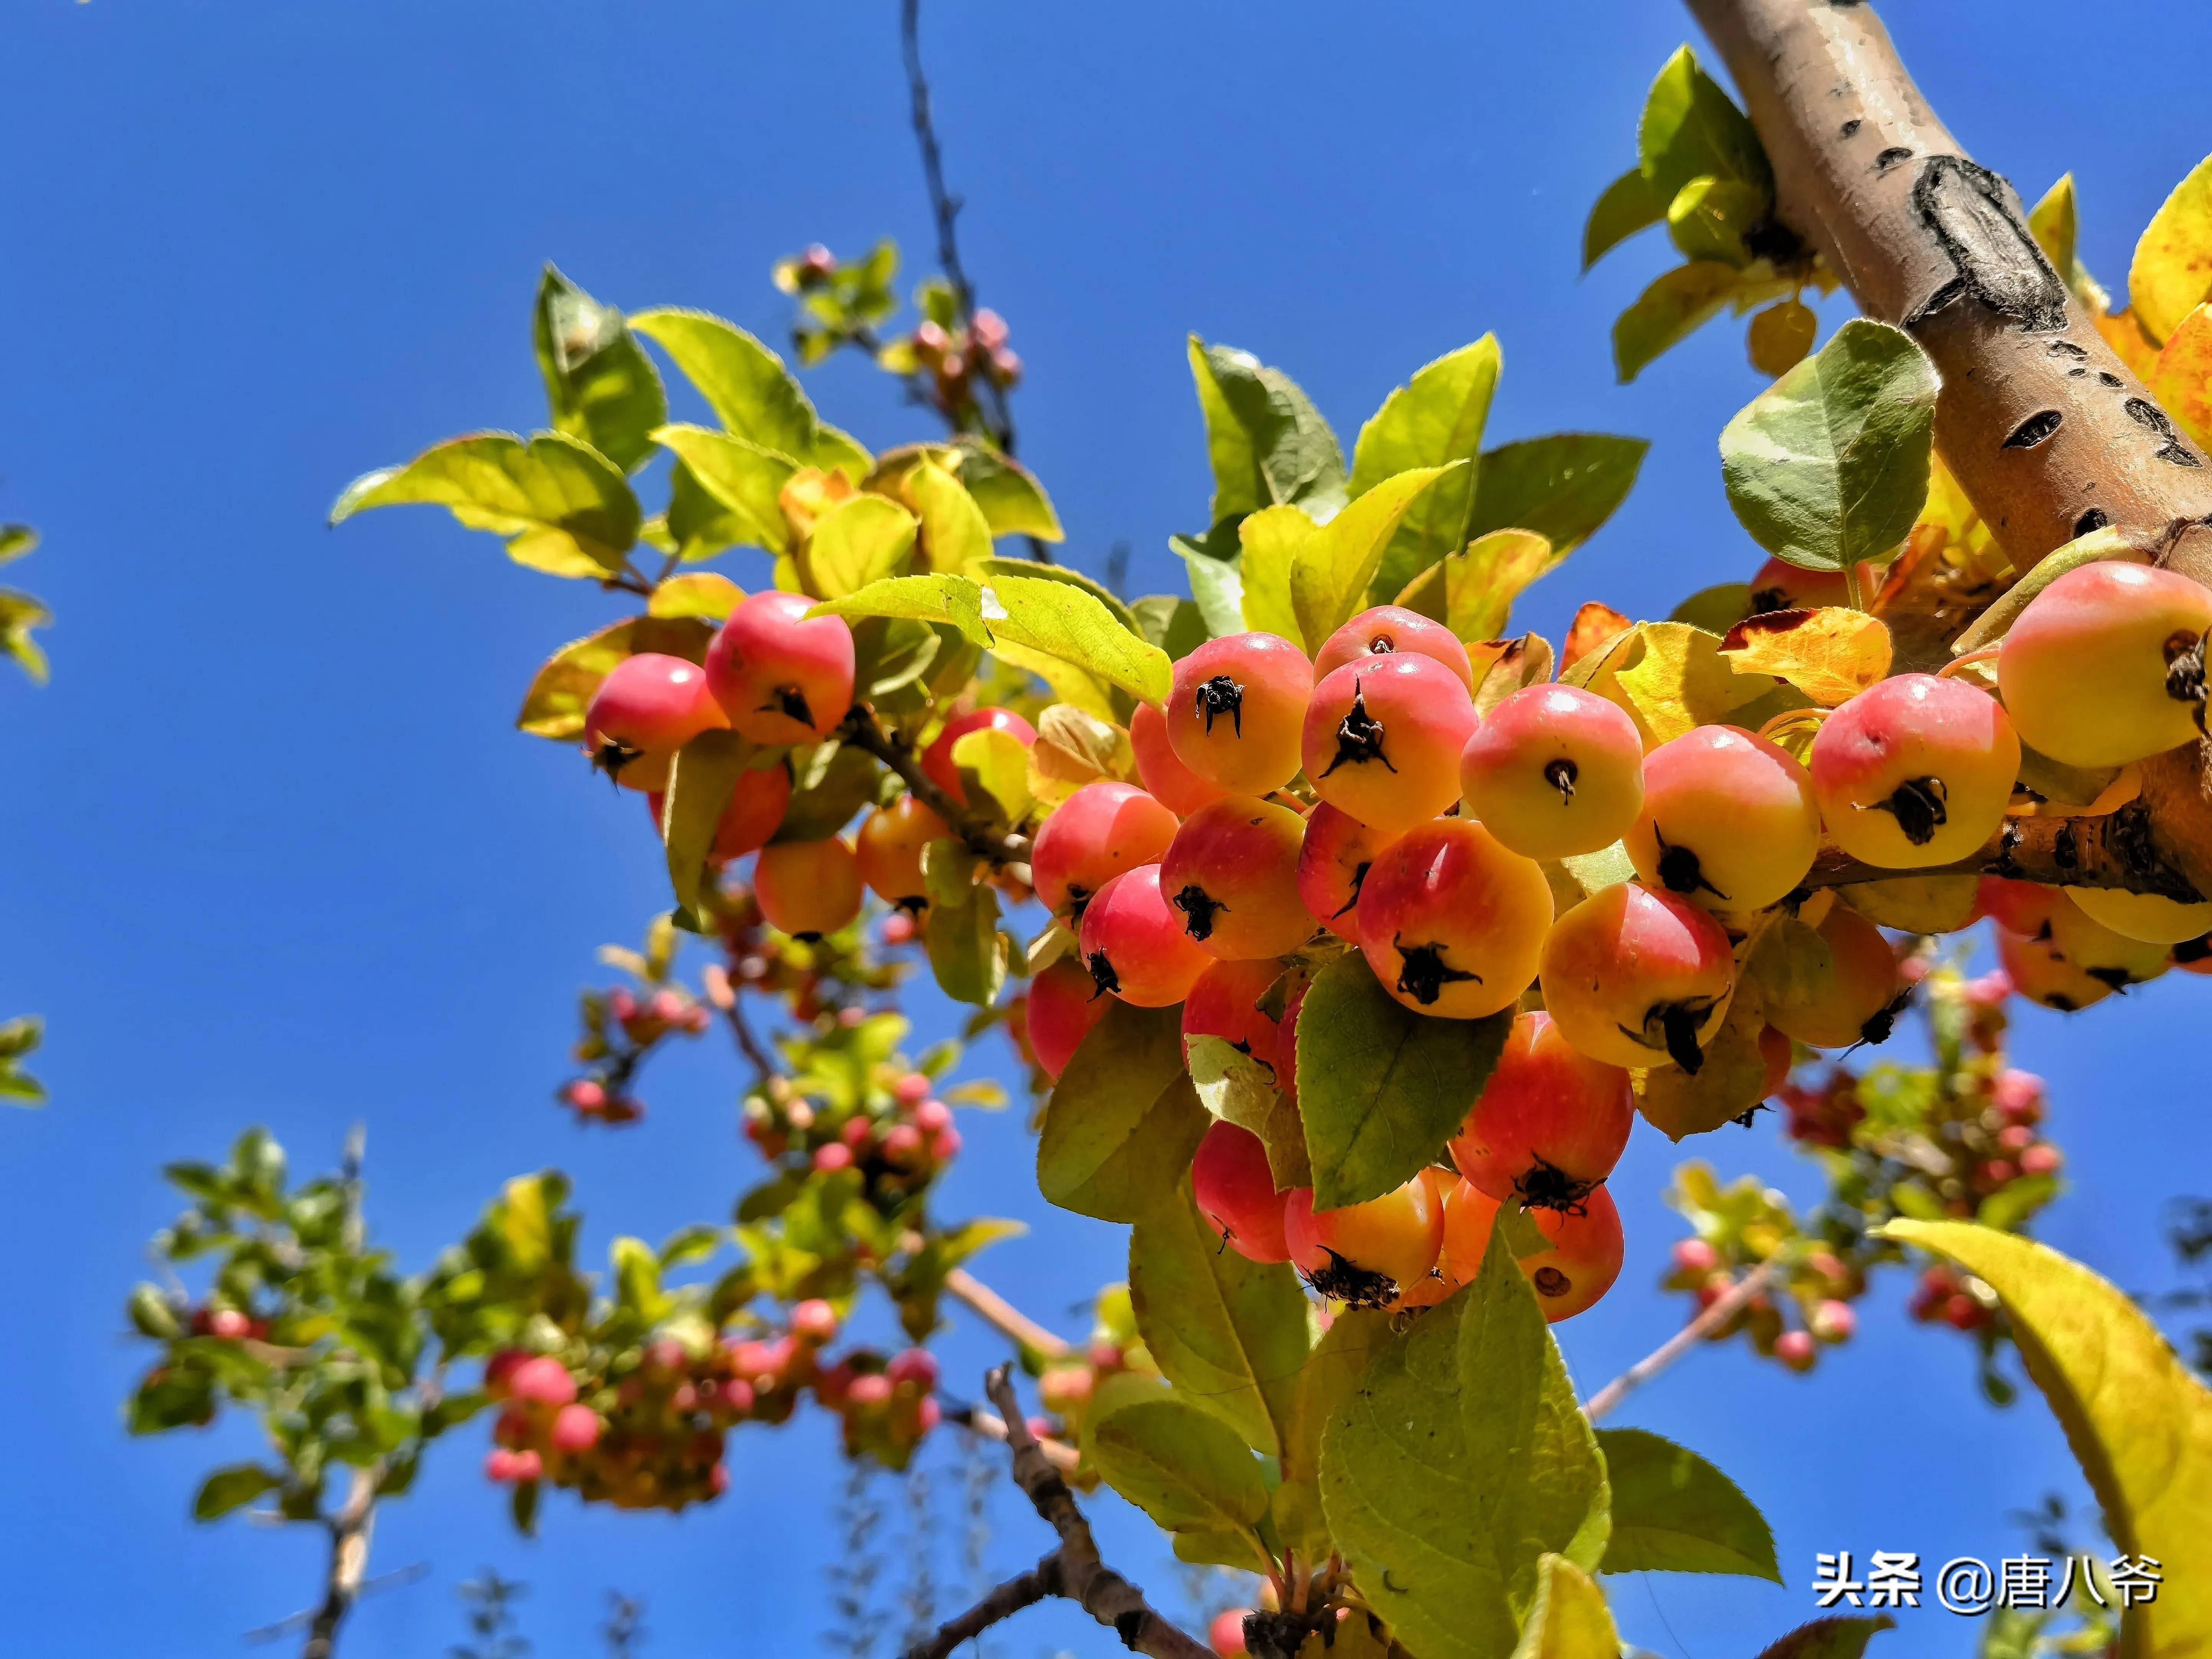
x=1224 y=1002
x=1834 y=1322
x=1382 y=736
x=542 y=1381
x=780 y=678
x=890 y=848
x=1165 y=776
x=2041 y=1160
x=1554 y=771
x=1231 y=873
x=1092 y=836
x=829 y=1159
x=576 y=1428
x=814 y=1321
x=1366 y=1254
x=1235 y=714
x=1635 y=978
x=648 y=705
x=1550 y=1123
x=1134 y=942
x=1728 y=821
x=2145 y=916
x=1915 y=771
x=1452 y=923
x=1333 y=860
x=870 y=1393
x=915 y=1367
x=1389 y=628
x=1796 y=1349
x=1852 y=1001
x=1235 y=1193
x=1583 y=1260
x=1780 y=335
x=937 y=763
x=2106 y=665
x=1064 y=1004
x=808 y=887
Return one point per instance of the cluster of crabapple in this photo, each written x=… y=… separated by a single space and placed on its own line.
x=620 y=1031
x=1819 y=1288
x=899 y=1134
x=1067 y=1382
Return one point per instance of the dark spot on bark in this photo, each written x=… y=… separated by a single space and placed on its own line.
x=2065 y=848
x=1889 y=158
x=1130 y=1626
x=2095 y=519
x=1918 y=805
x=1851 y=128
x=1220 y=695
x=2104 y=377
x=1199 y=909
x=2076 y=374
x=2152 y=420
x=2065 y=348
x=1358 y=737
x=2035 y=430
x=1422 y=974
x=1970 y=212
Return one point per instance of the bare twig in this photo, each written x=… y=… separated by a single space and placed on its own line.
x=349 y=1535
x=748 y=1044
x=1003 y=1603
x=1724 y=1309
x=1002 y=1316
x=861 y=730
x=979 y=1420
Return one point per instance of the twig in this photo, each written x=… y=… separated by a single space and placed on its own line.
x=978 y=1420
x=1002 y=1316
x=861 y=730
x=1724 y=1309
x=748 y=1044
x=349 y=1535
x=1003 y=1603
x=397 y=1578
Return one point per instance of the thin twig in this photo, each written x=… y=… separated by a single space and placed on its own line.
x=1003 y=1603
x=748 y=1044
x=861 y=730
x=1002 y=1316
x=1724 y=1309
x=979 y=1420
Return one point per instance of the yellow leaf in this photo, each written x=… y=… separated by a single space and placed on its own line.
x=2139 y=1423
x=2172 y=267
x=1593 y=626
x=1504 y=666
x=2182 y=381
x=861 y=540
x=1274 y=538
x=1471 y=591
x=1830 y=655
x=2127 y=339
x=1330 y=577
x=701 y=594
x=955 y=536
x=1570 y=1618
x=1671 y=678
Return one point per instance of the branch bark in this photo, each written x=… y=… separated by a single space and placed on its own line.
x=863 y=731
x=2116 y=849
x=2047 y=430
x=349 y=1535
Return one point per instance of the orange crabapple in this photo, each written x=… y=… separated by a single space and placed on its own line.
x=1728 y=821
x=1468 y=1214
x=938 y=764
x=1092 y=836
x=1225 y=1635
x=1133 y=941
x=1382 y=737
x=1234 y=714
x=1231 y=872
x=1063 y=1005
x=1583 y=1260
x=1365 y=1255
x=1171 y=783
x=1333 y=860
x=1391 y=628
x=780 y=676
x=1224 y=1002
x=1235 y=1191
x=2044 y=976
x=1778 y=1053
x=808 y=887
x=1450 y=922
x=890 y=848
x=2020 y=907
x=1550 y=1123
x=1635 y=977
x=1915 y=771
x=1853 y=1001
x=1554 y=771
x=648 y=706
x=2106 y=665
x=2150 y=917
x=2100 y=952
x=1777 y=585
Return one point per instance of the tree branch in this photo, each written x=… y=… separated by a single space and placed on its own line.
x=349 y=1535
x=1003 y=1316
x=861 y=730
x=1724 y=1308
x=981 y=1420
x=1001 y=1604
x=2117 y=850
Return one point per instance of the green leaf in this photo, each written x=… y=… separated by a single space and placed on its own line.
x=1339 y=561
x=562 y=507
x=992 y=568
x=701 y=781
x=2052 y=223
x=1237 y=1088
x=862 y=540
x=1333 y=1370
x=1458 y=1464
x=1569 y=1620
x=637 y=1277
x=956 y=537
x=1433 y=420
x=743 y=479
x=1230 y=1333
x=694 y=1243
x=952 y=601
x=17 y=540
x=1676 y=304
x=1122 y=1123
x=1674 y=1512
x=555 y=704
x=967 y=953
x=1709 y=218
x=1830 y=1639
x=1381 y=1088
x=1562 y=487
x=1274 y=539
x=1013 y=502
x=1627 y=205
x=602 y=387
x=1064 y=622
x=230 y=1488
x=1830 y=464
x=2139 y=1423
x=19 y=614
x=998 y=763
x=1175 y=624
x=1179 y=1464
x=836 y=783
x=1690 y=127
x=1268 y=443
x=749 y=389
x=1217 y=585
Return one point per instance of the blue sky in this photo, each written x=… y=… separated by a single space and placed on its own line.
x=272 y=853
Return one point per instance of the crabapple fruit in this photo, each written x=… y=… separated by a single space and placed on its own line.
x=1727 y=820
x=780 y=676
x=2103 y=954
x=1333 y=860
x=1777 y=585
x=1133 y=941
x=1171 y=783
x=1833 y=1322
x=1092 y=836
x=1549 y=1125
x=2106 y=665
x=1915 y=771
x=1235 y=1193
x=1365 y=1255
x=1634 y=977
x=542 y=1379
x=1583 y=1260
x=1778 y=1053
x=1232 y=873
x=938 y=764
x=1236 y=708
x=2040 y=1160
x=888 y=849
x=2022 y=907
x=648 y=706
x=1452 y=923
x=1470 y=1215
x=1796 y=1349
x=1391 y=628
x=1224 y=1002
x=1382 y=737
x=808 y=887
x=1695 y=1256
x=1064 y=1004
x=1554 y=771
x=576 y=1428
x=2044 y=976
x=2148 y=916
x=1849 y=1002
x=814 y=1321
x=1225 y=1635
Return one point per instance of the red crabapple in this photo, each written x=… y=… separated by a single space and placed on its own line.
x=1796 y=1349
x=1727 y=820
x=1092 y=836
x=2040 y=1160
x=1366 y=1254
x=1583 y=1260
x=228 y=1325
x=1554 y=771
x=2147 y=916
x=1134 y=942
x=903 y=1144
x=1549 y=1125
x=1695 y=1256
x=1915 y=771
x=1854 y=1000
x=1234 y=715
x=937 y=761
x=2106 y=665
x=780 y=678
x=1470 y=1215
x=2023 y=907
x=814 y=1321
x=912 y=1089
x=1224 y=1002
x=888 y=849
x=1391 y=628
x=1225 y=1636
x=830 y=1159
x=1778 y=584
x=576 y=1428
x=1778 y=1055
x=1382 y=737
x=1231 y=872
x=1333 y=863
x=1833 y=1322
x=1171 y=783
x=758 y=803
x=808 y=887
x=1634 y=977
x=648 y=705
x=933 y=1117
x=542 y=1379
x=1235 y=1193
x=915 y=1367
x=1064 y=1004
x=1451 y=923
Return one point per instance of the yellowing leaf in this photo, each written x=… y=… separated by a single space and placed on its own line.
x=865 y=539
x=1330 y=576
x=702 y=594
x=1569 y=1620
x=955 y=535
x=2052 y=222
x=1507 y=666
x=2182 y=381
x=1670 y=310
x=1471 y=591
x=1274 y=539
x=2127 y=341
x=700 y=785
x=1594 y=625
x=1671 y=678
x=749 y=389
x=1830 y=654
x=746 y=480
x=1237 y=1088
x=2172 y=267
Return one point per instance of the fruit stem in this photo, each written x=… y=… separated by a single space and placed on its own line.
x=1724 y=1308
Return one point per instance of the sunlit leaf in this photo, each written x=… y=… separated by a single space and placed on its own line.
x=1830 y=655
x=1831 y=1638
x=1627 y=205
x=1709 y=218
x=601 y=386
x=1182 y=1465
x=1471 y=592
x=701 y=593
x=1331 y=575
x=1672 y=678
x=2183 y=381
x=1274 y=538
x=1268 y=443
x=1674 y=1512
x=699 y=784
x=1237 y=1088
x=1012 y=501
x=749 y=389
x=1675 y=305
x=1122 y=1123
x=956 y=537
x=1569 y=1620
x=746 y=480
x=19 y=614
x=2052 y=222
x=2171 y=272
x=1690 y=127
x=232 y=1487
x=1433 y=420
x=1562 y=487
x=863 y=539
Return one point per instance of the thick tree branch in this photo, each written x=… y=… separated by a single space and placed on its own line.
x=2115 y=849
x=349 y=1535
x=1724 y=1308
x=862 y=730
x=2048 y=431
